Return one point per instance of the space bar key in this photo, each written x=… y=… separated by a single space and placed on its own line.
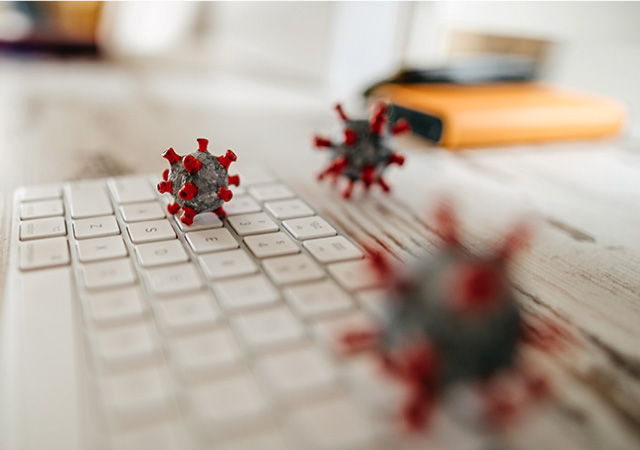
x=44 y=365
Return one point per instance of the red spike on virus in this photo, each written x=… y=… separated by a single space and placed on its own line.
x=200 y=183
x=227 y=159
x=191 y=164
x=171 y=156
x=453 y=318
x=362 y=150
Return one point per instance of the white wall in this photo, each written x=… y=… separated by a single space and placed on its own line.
x=284 y=38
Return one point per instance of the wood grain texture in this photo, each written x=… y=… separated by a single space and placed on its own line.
x=61 y=121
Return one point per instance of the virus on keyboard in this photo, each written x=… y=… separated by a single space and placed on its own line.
x=452 y=320
x=198 y=182
x=363 y=151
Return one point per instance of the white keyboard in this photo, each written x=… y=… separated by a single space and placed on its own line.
x=124 y=328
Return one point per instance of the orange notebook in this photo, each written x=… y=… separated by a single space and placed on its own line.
x=456 y=115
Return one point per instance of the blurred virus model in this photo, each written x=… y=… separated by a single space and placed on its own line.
x=453 y=318
x=362 y=152
x=198 y=182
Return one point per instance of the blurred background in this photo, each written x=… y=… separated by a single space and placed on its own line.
x=340 y=47
x=213 y=67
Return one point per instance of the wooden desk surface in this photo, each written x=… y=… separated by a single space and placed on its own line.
x=61 y=121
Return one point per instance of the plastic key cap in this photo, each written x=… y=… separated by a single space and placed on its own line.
x=95 y=227
x=101 y=248
x=174 y=279
x=42 y=228
x=155 y=230
x=105 y=274
x=272 y=244
x=256 y=223
x=39 y=210
x=227 y=264
x=88 y=199
x=44 y=253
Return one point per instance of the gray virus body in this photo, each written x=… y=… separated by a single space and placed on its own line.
x=362 y=151
x=461 y=306
x=198 y=182
x=451 y=318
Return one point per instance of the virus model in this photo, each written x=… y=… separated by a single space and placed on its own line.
x=198 y=182
x=451 y=319
x=363 y=152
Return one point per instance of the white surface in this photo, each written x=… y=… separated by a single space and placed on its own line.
x=272 y=244
x=152 y=230
x=292 y=269
x=94 y=227
x=88 y=200
x=173 y=280
x=205 y=241
x=227 y=264
x=108 y=274
x=43 y=253
x=42 y=228
x=101 y=248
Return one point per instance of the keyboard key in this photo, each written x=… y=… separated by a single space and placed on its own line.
x=202 y=221
x=231 y=405
x=334 y=424
x=374 y=301
x=333 y=249
x=238 y=190
x=315 y=300
x=105 y=274
x=246 y=292
x=268 y=440
x=257 y=223
x=211 y=240
x=38 y=210
x=267 y=192
x=227 y=264
x=204 y=354
x=268 y=329
x=241 y=204
x=329 y=332
x=292 y=269
x=374 y=388
x=160 y=436
x=289 y=209
x=309 y=228
x=131 y=190
x=116 y=305
x=189 y=312
x=40 y=192
x=355 y=275
x=101 y=248
x=298 y=374
x=95 y=227
x=256 y=175
x=155 y=230
x=138 y=396
x=42 y=228
x=127 y=345
x=180 y=278
x=88 y=199
x=273 y=244
x=160 y=253
x=140 y=212
x=43 y=253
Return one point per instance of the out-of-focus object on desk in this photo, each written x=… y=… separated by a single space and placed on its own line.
x=474 y=115
x=59 y=28
x=363 y=152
